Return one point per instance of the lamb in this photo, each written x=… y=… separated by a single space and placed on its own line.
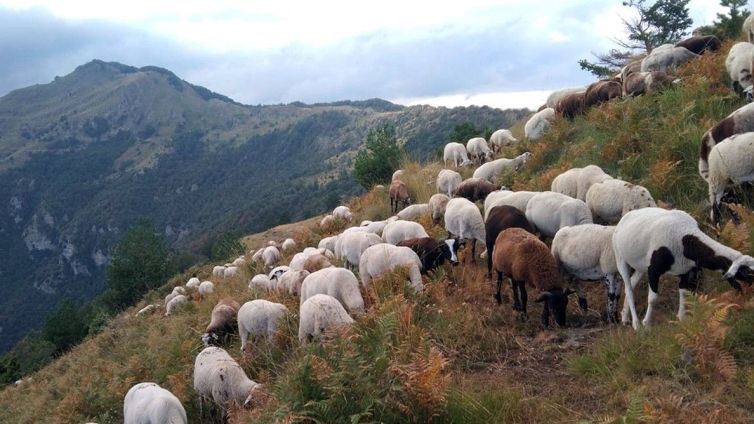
x=490 y=171
x=478 y=150
x=342 y=213
x=288 y=245
x=174 y=303
x=748 y=28
x=730 y=161
x=402 y=230
x=738 y=63
x=502 y=138
x=611 y=199
x=217 y=376
x=500 y=219
x=657 y=241
x=638 y=83
x=221 y=322
x=475 y=189
x=398 y=194
x=414 y=212
x=193 y=283
x=339 y=283
x=150 y=403
x=585 y=252
x=316 y=262
x=526 y=260
x=271 y=256
x=538 y=125
x=571 y=105
x=556 y=96
x=350 y=246
x=205 y=288
x=740 y=121
x=699 y=44
x=319 y=314
x=448 y=181
x=464 y=221
x=663 y=59
x=259 y=318
x=601 y=91
x=291 y=280
x=456 y=153
x=261 y=281
x=548 y=212
x=517 y=199
x=433 y=253
x=383 y=257
x=437 y=204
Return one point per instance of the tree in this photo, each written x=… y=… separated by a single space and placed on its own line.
x=662 y=22
x=728 y=26
x=141 y=262
x=225 y=246
x=382 y=155
x=65 y=326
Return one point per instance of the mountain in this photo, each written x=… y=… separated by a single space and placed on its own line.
x=90 y=154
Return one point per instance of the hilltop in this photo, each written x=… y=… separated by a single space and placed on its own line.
x=90 y=154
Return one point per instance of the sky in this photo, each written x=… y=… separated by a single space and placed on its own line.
x=505 y=53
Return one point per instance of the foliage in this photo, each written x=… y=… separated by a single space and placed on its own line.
x=65 y=326
x=226 y=245
x=381 y=156
x=728 y=26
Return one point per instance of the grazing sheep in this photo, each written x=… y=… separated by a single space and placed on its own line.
x=221 y=322
x=464 y=221
x=217 y=376
x=588 y=175
x=174 y=303
x=740 y=121
x=730 y=162
x=350 y=246
x=176 y=291
x=478 y=150
x=448 y=181
x=343 y=213
x=601 y=91
x=517 y=199
x=398 y=231
x=414 y=212
x=218 y=271
x=205 y=288
x=148 y=309
x=748 y=28
x=271 y=256
x=498 y=220
x=398 y=194
x=638 y=83
x=261 y=281
x=277 y=272
x=433 y=253
x=475 y=189
x=611 y=199
x=666 y=58
x=318 y=314
x=502 y=138
x=397 y=175
x=585 y=252
x=700 y=44
x=327 y=222
x=549 y=211
x=288 y=245
x=657 y=241
x=377 y=227
x=259 y=318
x=299 y=259
x=230 y=272
x=316 y=262
x=290 y=281
x=571 y=105
x=193 y=283
x=437 y=204
x=340 y=283
x=738 y=63
x=239 y=261
x=556 y=96
x=383 y=257
x=328 y=243
x=257 y=256
x=490 y=171
x=521 y=256
x=567 y=182
x=149 y=403
x=456 y=153
x=538 y=125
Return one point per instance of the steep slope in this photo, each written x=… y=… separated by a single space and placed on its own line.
x=88 y=155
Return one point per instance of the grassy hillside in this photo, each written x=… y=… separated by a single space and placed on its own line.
x=452 y=354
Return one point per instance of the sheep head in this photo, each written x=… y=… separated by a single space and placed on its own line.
x=557 y=301
x=255 y=391
x=741 y=269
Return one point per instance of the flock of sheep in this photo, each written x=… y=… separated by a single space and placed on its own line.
x=637 y=238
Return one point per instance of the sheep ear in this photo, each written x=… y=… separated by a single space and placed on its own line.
x=732 y=271
x=542 y=297
x=569 y=292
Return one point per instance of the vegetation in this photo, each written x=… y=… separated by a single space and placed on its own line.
x=728 y=26
x=381 y=156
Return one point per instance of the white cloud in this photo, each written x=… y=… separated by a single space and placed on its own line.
x=502 y=100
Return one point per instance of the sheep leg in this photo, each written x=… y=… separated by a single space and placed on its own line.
x=516 y=296
x=661 y=261
x=583 y=305
x=498 y=296
x=688 y=282
x=524 y=296
x=613 y=295
x=628 y=303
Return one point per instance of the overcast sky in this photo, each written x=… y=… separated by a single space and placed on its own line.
x=505 y=53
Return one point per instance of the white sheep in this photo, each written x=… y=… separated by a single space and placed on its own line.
x=661 y=59
x=261 y=281
x=259 y=318
x=538 y=125
x=150 y=403
x=276 y=272
x=230 y=272
x=464 y=221
x=578 y=180
x=257 y=256
x=239 y=261
x=217 y=376
x=270 y=256
x=398 y=231
x=455 y=153
x=339 y=283
x=738 y=63
x=556 y=96
x=205 y=288
x=193 y=283
x=413 y=212
x=437 y=204
x=377 y=227
x=567 y=182
x=384 y=257
x=549 y=211
x=174 y=303
x=148 y=309
x=218 y=271
x=288 y=245
x=176 y=292
x=738 y=122
x=290 y=281
x=478 y=150
x=448 y=181
x=657 y=241
x=748 y=28
x=350 y=246
x=327 y=222
x=502 y=138
x=328 y=243
x=730 y=162
x=586 y=253
x=490 y=171
x=517 y=199
x=611 y=199
x=397 y=175
x=319 y=314
x=343 y=213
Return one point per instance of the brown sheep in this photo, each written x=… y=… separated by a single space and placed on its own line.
x=571 y=105
x=398 y=194
x=316 y=262
x=638 y=83
x=601 y=91
x=526 y=260
x=223 y=321
x=501 y=218
x=475 y=189
x=700 y=44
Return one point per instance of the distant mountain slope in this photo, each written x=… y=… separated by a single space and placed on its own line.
x=88 y=155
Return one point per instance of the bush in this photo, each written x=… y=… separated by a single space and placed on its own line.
x=382 y=156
